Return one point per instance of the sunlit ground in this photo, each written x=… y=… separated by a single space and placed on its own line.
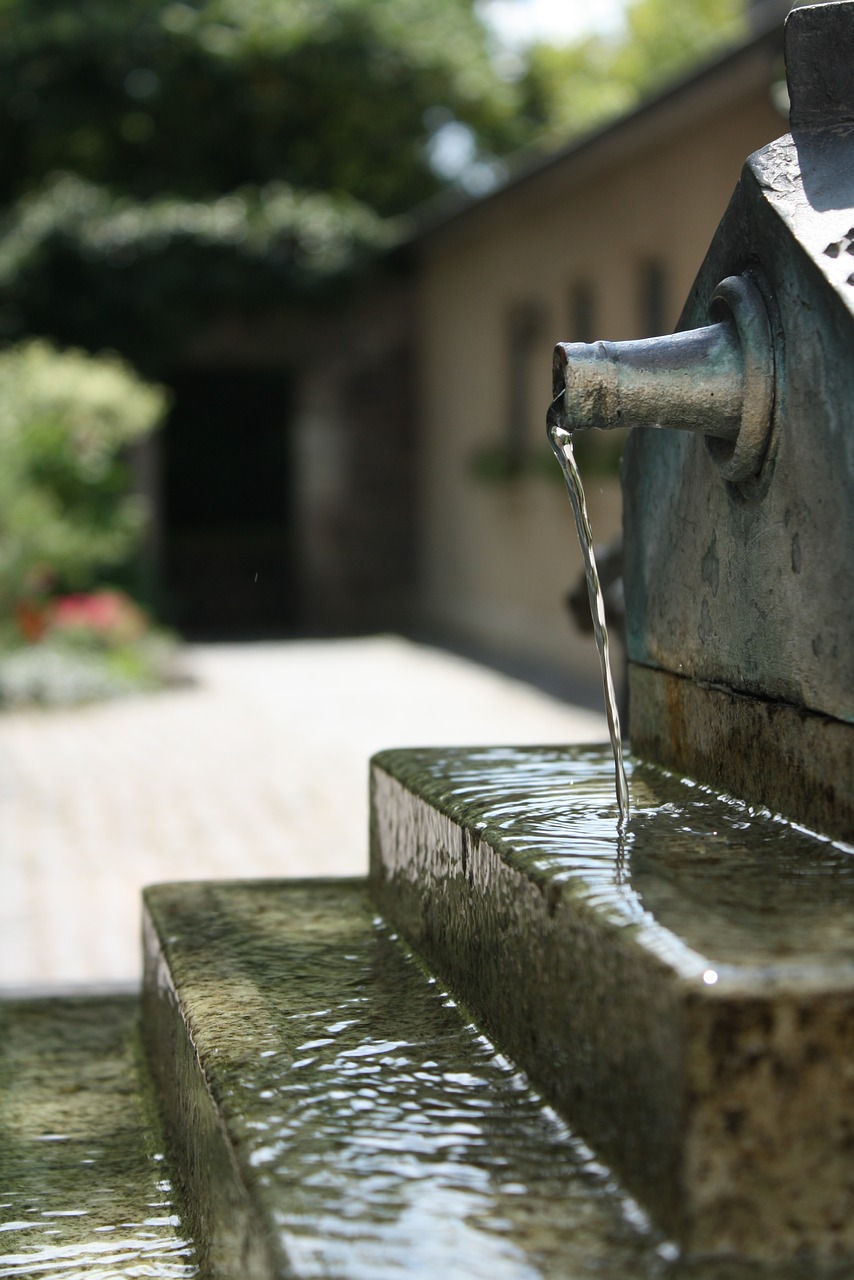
x=259 y=769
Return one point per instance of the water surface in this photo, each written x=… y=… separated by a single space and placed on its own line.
x=705 y=878
x=85 y=1190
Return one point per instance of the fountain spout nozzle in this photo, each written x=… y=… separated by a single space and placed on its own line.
x=717 y=381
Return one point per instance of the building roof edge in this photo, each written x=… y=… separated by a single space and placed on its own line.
x=450 y=208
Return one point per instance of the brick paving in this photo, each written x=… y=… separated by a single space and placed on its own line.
x=257 y=768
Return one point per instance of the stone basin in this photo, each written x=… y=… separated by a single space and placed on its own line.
x=683 y=990
x=85 y=1184
x=529 y=1046
x=335 y=1113
x=595 y=1056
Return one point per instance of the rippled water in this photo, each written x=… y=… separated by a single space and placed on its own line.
x=84 y=1189
x=704 y=876
x=399 y=1143
x=382 y=1134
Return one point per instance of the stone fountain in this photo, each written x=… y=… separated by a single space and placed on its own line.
x=679 y=989
x=684 y=991
x=539 y=1042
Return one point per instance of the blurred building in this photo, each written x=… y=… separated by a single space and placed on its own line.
x=286 y=472
x=601 y=240
x=396 y=471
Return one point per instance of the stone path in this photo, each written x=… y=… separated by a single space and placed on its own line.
x=259 y=768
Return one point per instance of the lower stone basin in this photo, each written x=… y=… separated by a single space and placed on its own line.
x=334 y=1113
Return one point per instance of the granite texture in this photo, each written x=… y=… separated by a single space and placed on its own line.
x=683 y=991
x=748 y=588
x=747 y=745
x=85 y=1189
x=334 y=1113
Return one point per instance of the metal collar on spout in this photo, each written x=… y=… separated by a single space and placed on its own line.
x=717 y=381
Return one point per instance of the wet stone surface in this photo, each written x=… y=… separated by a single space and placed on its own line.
x=84 y=1183
x=370 y=1130
x=702 y=877
x=680 y=987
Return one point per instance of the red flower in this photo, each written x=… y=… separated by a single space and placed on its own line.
x=110 y=617
x=32 y=620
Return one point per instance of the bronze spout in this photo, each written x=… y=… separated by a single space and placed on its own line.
x=717 y=381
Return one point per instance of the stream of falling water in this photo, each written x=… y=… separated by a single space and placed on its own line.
x=561 y=442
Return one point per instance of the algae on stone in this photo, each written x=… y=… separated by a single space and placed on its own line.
x=84 y=1180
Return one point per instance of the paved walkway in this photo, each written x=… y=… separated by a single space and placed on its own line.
x=258 y=769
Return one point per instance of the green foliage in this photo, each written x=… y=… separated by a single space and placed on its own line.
x=575 y=87
x=570 y=88
x=665 y=39
x=203 y=97
x=161 y=160
x=141 y=276
x=65 y=510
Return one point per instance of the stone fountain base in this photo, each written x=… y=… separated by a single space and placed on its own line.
x=331 y=1110
x=684 y=992
x=335 y=1113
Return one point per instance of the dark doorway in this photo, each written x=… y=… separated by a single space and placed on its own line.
x=228 y=510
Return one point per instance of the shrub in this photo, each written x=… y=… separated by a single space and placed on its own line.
x=66 y=511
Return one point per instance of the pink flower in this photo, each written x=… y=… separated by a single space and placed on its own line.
x=110 y=617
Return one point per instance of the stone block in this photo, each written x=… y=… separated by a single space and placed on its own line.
x=334 y=1113
x=682 y=991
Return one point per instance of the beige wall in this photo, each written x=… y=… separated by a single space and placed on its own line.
x=498 y=557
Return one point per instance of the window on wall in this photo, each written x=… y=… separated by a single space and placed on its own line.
x=582 y=312
x=654 y=312
x=526 y=330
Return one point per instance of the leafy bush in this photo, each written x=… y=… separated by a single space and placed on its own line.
x=66 y=513
x=142 y=276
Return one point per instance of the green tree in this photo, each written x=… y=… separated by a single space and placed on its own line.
x=571 y=88
x=199 y=98
x=663 y=40
x=161 y=158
